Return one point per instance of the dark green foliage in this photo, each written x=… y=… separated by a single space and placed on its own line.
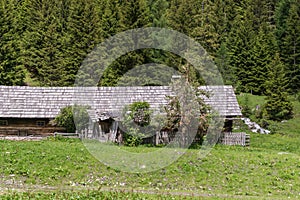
x=43 y=42
x=84 y=32
x=277 y=107
x=158 y=12
x=111 y=19
x=49 y=40
x=222 y=61
x=131 y=14
x=140 y=113
x=58 y=38
x=261 y=53
x=11 y=27
x=174 y=117
x=288 y=36
x=246 y=110
x=290 y=49
x=249 y=47
x=136 y=116
x=239 y=47
x=73 y=118
x=173 y=114
x=65 y=119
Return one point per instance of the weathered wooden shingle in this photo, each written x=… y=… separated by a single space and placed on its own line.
x=223 y=100
x=46 y=102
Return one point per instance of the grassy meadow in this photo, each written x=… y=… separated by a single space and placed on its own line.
x=58 y=168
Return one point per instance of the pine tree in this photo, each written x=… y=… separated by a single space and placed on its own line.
x=290 y=49
x=277 y=106
x=204 y=26
x=11 y=70
x=44 y=42
x=261 y=54
x=111 y=19
x=222 y=62
x=239 y=45
x=84 y=32
x=158 y=9
x=133 y=15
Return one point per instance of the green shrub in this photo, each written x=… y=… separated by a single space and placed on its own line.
x=140 y=113
x=136 y=115
x=133 y=138
x=269 y=125
x=66 y=118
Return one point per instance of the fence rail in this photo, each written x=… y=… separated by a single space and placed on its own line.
x=229 y=138
x=69 y=135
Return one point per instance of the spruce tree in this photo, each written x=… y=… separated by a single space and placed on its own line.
x=239 y=45
x=277 y=106
x=158 y=9
x=263 y=13
x=111 y=19
x=204 y=26
x=183 y=16
x=251 y=44
x=43 y=42
x=84 y=32
x=222 y=62
x=281 y=14
x=11 y=70
x=180 y=15
x=261 y=54
x=133 y=15
x=290 y=49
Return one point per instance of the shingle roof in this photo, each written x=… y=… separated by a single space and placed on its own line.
x=46 y=102
x=222 y=99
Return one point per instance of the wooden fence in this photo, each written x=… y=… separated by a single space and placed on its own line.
x=229 y=138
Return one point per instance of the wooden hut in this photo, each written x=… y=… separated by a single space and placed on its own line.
x=223 y=100
x=29 y=110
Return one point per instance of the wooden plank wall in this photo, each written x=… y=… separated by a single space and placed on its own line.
x=229 y=138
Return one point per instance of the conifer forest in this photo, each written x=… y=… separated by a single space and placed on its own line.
x=43 y=42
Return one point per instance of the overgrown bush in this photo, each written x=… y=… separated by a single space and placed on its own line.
x=133 y=137
x=66 y=118
x=136 y=115
x=174 y=116
x=140 y=113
